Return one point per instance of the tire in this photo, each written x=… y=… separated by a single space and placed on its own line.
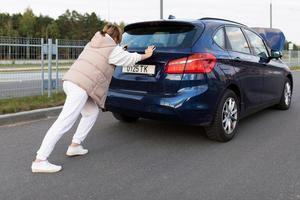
x=286 y=97
x=125 y=118
x=224 y=124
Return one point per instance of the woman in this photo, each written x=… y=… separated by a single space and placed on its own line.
x=86 y=85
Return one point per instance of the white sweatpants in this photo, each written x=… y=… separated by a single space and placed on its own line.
x=77 y=102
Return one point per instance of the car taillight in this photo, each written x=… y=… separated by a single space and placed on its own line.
x=196 y=63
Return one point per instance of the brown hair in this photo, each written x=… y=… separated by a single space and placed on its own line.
x=113 y=31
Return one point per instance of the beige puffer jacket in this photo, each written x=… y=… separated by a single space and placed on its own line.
x=91 y=71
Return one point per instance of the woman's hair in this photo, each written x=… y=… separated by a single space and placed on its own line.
x=113 y=31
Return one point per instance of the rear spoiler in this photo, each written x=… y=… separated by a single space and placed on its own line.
x=274 y=38
x=157 y=23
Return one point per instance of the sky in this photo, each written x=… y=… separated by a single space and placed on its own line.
x=254 y=13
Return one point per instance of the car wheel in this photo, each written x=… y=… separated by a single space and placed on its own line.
x=125 y=118
x=286 y=98
x=226 y=118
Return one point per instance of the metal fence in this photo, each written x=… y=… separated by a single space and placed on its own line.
x=34 y=66
x=291 y=58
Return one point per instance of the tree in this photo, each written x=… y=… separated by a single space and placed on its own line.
x=4 y=18
x=64 y=25
x=16 y=20
x=52 y=30
x=92 y=24
x=10 y=31
x=77 y=22
x=69 y=25
x=42 y=22
x=27 y=24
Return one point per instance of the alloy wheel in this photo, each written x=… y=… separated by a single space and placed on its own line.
x=287 y=93
x=229 y=115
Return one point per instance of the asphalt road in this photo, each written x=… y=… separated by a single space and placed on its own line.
x=159 y=161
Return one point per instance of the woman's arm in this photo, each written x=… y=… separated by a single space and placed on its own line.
x=121 y=57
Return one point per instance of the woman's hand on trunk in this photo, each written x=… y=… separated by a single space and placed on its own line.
x=148 y=52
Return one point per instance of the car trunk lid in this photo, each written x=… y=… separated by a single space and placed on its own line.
x=173 y=40
x=158 y=83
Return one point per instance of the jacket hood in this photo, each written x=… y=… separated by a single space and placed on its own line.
x=274 y=38
x=99 y=41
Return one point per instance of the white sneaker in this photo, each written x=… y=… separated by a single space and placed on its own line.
x=76 y=151
x=44 y=167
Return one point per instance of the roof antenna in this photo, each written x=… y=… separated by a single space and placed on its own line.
x=171 y=17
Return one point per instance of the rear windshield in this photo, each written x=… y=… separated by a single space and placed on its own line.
x=167 y=36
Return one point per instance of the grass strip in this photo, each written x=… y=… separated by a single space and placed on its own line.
x=295 y=68
x=19 y=104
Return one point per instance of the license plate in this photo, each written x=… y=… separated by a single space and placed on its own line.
x=140 y=69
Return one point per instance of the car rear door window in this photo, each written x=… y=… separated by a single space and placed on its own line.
x=219 y=38
x=237 y=40
x=257 y=44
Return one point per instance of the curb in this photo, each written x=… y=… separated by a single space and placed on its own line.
x=29 y=115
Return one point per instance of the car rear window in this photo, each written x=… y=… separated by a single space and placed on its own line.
x=162 y=36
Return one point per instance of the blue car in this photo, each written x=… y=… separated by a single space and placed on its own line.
x=208 y=72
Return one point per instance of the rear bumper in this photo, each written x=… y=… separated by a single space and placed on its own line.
x=190 y=105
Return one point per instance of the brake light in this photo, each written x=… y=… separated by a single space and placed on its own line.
x=196 y=63
x=176 y=66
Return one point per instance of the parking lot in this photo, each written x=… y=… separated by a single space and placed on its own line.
x=159 y=160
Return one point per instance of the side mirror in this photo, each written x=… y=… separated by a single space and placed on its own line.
x=276 y=54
